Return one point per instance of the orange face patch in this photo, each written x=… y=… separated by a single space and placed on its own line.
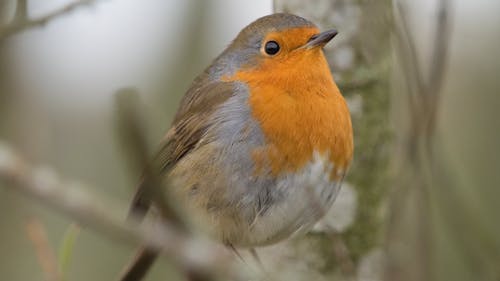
x=289 y=39
x=298 y=106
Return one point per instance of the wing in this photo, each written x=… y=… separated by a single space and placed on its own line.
x=190 y=125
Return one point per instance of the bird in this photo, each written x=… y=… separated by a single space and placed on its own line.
x=261 y=141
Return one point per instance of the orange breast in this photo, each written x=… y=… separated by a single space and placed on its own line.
x=300 y=110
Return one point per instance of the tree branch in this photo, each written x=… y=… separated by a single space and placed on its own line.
x=71 y=199
x=21 y=21
x=132 y=134
x=45 y=254
x=439 y=60
x=21 y=14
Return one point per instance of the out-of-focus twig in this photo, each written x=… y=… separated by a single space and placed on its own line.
x=74 y=201
x=341 y=252
x=151 y=188
x=357 y=84
x=439 y=61
x=45 y=254
x=133 y=136
x=423 y=90
x=21 y=14
x=22 y=22
x=409 y=58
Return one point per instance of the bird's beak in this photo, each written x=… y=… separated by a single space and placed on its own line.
x=320 y=39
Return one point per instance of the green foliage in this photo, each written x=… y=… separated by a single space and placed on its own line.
x=66 y=247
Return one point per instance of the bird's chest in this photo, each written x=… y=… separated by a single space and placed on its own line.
x=297 y=125
x=300 y=199
x=283 y=163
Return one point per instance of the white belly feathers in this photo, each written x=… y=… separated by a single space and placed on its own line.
x=308 y=194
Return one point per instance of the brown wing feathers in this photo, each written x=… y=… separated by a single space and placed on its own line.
x=190 y=124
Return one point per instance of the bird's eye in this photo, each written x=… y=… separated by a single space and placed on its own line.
x=272 y=48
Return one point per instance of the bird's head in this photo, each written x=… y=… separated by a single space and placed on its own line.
x=278 y=43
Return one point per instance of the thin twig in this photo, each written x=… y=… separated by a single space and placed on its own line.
x=21 y=22
x=412 y=65
x=44 y=252
x=359 y=84
x=133 y=134
x=21 y=14
x=424 y=93
x=438 y=61
x=341 y=253
x=151 y=188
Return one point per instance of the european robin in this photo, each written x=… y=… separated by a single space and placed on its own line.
x=263 y=138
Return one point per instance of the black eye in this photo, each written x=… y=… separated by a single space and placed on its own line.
x=272 y=48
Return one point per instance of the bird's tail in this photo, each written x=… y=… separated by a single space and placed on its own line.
x=140 y=265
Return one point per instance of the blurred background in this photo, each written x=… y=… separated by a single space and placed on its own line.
x=420 y=78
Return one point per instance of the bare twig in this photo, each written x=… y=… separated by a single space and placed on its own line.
x=438 y=61
x=21 y=21
x=424 y=93
x=151 y=189
x=341 y=252
x=410 y=62
x=133 y=137
x=45 y=254
x=21 y=11
x=405 y=37
x=359 y=84
x=74 y=201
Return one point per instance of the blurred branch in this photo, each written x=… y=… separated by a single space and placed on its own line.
x=341 y=253
x=151 y=189
x=21 y=14
x=439 y=60
x=73 y=200
x=424 y=93
x=132 y=135
x=46 y=257
x=409 y=58
x=359 y=84
x=22 y=22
